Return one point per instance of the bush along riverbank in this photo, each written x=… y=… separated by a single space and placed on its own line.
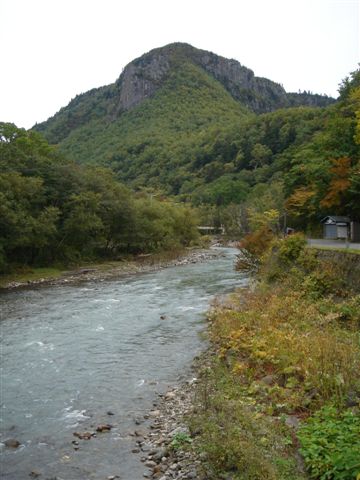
x=279 y=395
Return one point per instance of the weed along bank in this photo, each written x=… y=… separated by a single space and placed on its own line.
x=280 y=397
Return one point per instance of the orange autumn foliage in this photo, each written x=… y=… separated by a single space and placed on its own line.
x=300 y=200
x=339 y=183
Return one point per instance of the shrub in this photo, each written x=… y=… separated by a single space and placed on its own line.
x=330 y=444
x=282 y=257
x=258 y=242
x=179 y=440
x=238 y=442
x=291 y=247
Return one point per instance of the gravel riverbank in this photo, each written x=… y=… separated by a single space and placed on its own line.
x=142 y=264
x=163 y=440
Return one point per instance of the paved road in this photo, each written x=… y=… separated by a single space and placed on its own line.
x=333 y=243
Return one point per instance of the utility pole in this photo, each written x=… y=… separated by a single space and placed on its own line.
x=285 y=223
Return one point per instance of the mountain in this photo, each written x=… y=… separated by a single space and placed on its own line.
x=168 y=118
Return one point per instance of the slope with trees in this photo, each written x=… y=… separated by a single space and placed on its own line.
x=187 y=123
x=53 y=210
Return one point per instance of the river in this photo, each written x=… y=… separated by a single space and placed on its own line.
x=72 y=354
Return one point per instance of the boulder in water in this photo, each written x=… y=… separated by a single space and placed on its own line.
x=12 y=443
x=83 y=435
x=104 y=428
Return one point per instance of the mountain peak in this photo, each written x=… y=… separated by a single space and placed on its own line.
x=142 y=78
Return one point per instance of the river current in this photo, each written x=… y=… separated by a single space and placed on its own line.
x=70 y=354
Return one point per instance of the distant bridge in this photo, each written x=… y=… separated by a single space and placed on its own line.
x=211 y=230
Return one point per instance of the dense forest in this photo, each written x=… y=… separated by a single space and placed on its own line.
x=194 y=141
x=54 y=211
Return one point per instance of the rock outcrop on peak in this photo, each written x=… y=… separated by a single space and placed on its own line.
x=142 y=78
x=186 y=122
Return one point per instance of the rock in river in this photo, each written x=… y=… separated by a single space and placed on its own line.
x=12 y=443
x=104 y=428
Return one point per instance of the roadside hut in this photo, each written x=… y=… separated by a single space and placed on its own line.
x=336 y=227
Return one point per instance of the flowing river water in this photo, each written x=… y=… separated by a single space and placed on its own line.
x=73 y=353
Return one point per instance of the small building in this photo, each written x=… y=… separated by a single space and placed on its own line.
x=336 y=227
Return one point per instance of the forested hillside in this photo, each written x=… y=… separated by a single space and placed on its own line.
x=184 y=122
x=55 y=211
x=191 y=69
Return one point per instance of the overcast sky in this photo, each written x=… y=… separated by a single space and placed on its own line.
x=52 y=50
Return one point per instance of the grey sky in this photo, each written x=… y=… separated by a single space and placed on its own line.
x=53 y=50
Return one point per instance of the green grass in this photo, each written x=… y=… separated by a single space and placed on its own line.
x=30 y=275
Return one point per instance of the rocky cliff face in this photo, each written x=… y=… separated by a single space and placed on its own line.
x=143 y=77
x=259 y=94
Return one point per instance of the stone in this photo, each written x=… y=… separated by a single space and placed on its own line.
x=110 y=413
x=12 y=443
x=292 y=421
x=170 y=395
x=159 y=454
x=269 y=380
x=191 y=475
x=34 y=474
x=157 y=475
x=155 y=413
x=177 y=430
x=104 y=428
x=84 y=435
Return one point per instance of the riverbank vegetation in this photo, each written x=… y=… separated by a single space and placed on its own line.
x=55 y=212
x=280 y=397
